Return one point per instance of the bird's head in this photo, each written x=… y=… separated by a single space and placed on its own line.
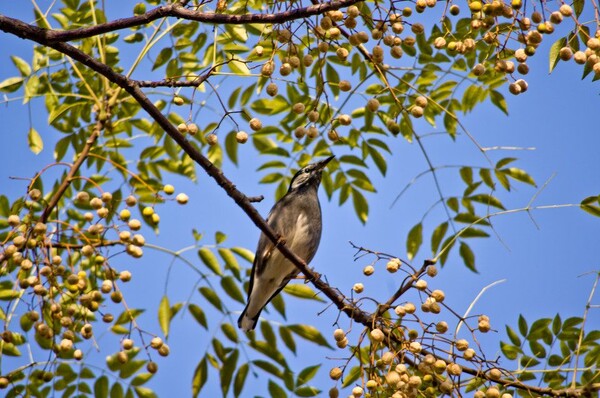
x=309 y=175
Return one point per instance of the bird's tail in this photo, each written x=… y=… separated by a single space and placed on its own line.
x=245 y=322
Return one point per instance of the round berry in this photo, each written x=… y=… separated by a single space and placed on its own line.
x=241 y=137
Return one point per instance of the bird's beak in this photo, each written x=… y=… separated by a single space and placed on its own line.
x=321 y=165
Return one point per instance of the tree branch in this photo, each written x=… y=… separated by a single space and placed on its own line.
x=177 y=10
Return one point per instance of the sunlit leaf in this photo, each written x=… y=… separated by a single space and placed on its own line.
x=35 y=141
x=310 y=333
x=414 y=240
x=468 y=256
x=302 y=291
x=198 y=315
x=210 y=260
x=240 y=379
x=164 y=315
x=212 y=297
x=554 y=53
x=200 y=377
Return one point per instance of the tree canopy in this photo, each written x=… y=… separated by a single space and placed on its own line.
x=131 y=100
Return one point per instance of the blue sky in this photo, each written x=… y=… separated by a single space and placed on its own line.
x=545 y=269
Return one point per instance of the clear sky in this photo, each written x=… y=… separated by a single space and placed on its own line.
x=544 y=267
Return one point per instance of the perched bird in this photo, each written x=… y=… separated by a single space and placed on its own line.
x=296 y=218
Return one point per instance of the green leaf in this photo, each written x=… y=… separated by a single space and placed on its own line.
x=128 y=315
x=466 y=173
x=144 y=392
x=11 y=84
x=231 y=147
x=230 y=287
x=35 y=141
x=117 y=391
x=510 y=351
x=539 y=328
x=302 y=291
x=472 y=232
x=270 y=106
x=498 y=99
x=164 y=315
x=9 y=294
x=163 y=57
x=230 y=261
x=276 y=391
x=578 y=6
x=244 y=253
x=361 y=206
x=453 y=204
x=556 y=325
x=487 y=200
x=523 y=328
x=437 y=236
x=21 y=65
x=587 y=206
x=210 y=260
x=200 y=377
x=527 y=362
x=287 y=338
x=101 y=387
x=307 y=391
x=127 y=370
x=307 y=374
x=230 y=332
x=537 y=349
x=220 y=237
x=212 y=297
x=468 y=256
x=554 y=54
x=352 y=376
x=503 y=162
x=556 y=360
x=226 y=373
x=519 y=175
x=379 y=160
x=240 y=379
x=513 y=336
x=141 y=379
x=198 y=315
x=414 y=240
x=268 y=333
x=486 y=177
x=310 y=333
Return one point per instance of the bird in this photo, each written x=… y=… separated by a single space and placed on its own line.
x=296 y=218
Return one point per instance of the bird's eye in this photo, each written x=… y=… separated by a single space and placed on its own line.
x=306 y=171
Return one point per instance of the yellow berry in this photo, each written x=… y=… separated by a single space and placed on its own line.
x=345 y=85
x=255 y=124
x=169 y=189
x=182 y=128
x=192 y=128
x=335 y=373
x=377 y=335
x=241 y=137
x=212 y=139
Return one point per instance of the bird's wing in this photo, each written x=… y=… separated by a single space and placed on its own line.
x=283 y=225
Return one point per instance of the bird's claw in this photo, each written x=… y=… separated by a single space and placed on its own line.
x=306 y=280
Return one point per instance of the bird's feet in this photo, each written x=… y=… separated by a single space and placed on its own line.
x=306 y=280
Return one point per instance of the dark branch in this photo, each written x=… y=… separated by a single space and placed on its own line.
x=177 y=10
